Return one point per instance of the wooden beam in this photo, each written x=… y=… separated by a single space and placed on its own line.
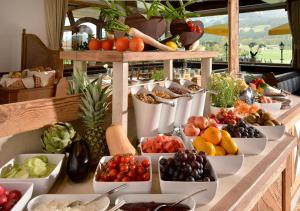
x=233 y=21
x=30 y=115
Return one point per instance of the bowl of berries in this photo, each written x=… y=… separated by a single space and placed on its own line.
x=187 y=172
x=249 y=139
x=113 y=171
x=160 y=145
x=15 y=195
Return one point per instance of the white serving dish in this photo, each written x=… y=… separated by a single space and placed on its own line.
x=41 y=185
x=228 y=164
x=182 y=187
x=46 y=198
x=251 y=146
x=269 y=107
x=132 y=187
x=155 y=156
x=272 y=132
x=26 y=188
x=158 y=198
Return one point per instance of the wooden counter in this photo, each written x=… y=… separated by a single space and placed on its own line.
x=260 y=174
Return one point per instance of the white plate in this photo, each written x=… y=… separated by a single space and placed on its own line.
x=181 y=187
x=132 y=187
x=272 y=132
x=155 y=156
x=41 y=185
x=159 y=198
x=46 y=198
x=25 y=188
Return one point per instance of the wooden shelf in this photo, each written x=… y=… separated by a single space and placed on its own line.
x=128 y=56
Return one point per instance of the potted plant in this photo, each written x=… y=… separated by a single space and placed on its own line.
x=225 y=88
x=188 y=31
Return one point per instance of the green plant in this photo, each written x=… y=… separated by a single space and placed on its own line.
x=78 y=83
x=158 y=75
x=152 y=10
x=172 y=13
x=226 y=89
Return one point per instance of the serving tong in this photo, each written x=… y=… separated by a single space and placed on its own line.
x=78 y=203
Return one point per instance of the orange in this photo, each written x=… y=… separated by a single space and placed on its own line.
x=212 y=135
x=220 y=151
x=94 y=44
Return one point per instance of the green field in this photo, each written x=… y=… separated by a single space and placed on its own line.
x=273 y=56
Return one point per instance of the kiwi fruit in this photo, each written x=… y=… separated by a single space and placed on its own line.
x=275 y=122
x=269 y=123
x=260 y=112
x=266 y=116
x=260 y=121
x=256 y=124
x=256 y=114
x=251 y=119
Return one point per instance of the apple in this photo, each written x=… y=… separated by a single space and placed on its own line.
x=201 y=122
x=191 y=119
x=191 y=130
x=212 y=123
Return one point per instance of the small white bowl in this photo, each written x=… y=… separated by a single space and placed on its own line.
x=185 y=187
x=41 y=185
x=46 y=198
x=155 y=156
x=158 y=198
x=132 y=186
x=251 y=146
x=227 y=164
x=25 y=188
x=272 y=132
x=269 y=107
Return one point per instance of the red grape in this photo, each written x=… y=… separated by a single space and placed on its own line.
x=146 y=163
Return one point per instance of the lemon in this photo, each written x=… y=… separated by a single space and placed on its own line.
x=220 y=151
x=201 y=145
x=172 y=45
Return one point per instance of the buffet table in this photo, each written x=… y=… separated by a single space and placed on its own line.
x=249 y=188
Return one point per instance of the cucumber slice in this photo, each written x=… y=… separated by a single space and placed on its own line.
x=22 y=174
x=38 y=162
x=43 y=158
x=38 y=171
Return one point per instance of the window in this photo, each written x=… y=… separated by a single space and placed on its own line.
x=256 y=46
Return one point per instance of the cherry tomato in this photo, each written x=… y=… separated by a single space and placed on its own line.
x=112 y=164
x=140 y=170
x=146 y=163
x=198 y=29
x=14 y=194
x=131 y=159
x=120 y=176
x=125 y=159
x=125 y=179
x=124 y=168
x=117 y=159
x=132 y=167
x=113 y=173
x=122 y=44
x=107 y=45
x=131 y=174
x=2 y=191
x=193 y=29
x=190 y=24
x=9 y=205
x=146 y=176
x=3 y=199
x=136 y=44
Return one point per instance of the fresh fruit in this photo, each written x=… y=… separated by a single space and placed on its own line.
x=212 y=135
x=220 y=151
x=261 y=118
x=122 y=44
x=92 y=110
x=172 y=45
x=206 y=147
x=201 y=122
x=190 y=24
x=242 y=130
x=78 y=163
x=136 y=44
x=162 y=144
x=191 y=119
x=243 y=108
x=191 y=130
x=8 y=198
x=198 y=142
x=124 y=168
x=94 y=44
x=117 y=141
x=177 y=168
x=107 y=45
x=35 y=167
x=229 y=145
x=57 y=137
x=225 y=117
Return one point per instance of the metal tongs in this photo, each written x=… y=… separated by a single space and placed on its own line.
x=159 y=101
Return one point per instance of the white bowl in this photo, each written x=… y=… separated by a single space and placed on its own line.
x=272 y=132
x=269 y=107
x=25 y=188
x=46 y=198
x=251 y=146
x=158 y=198
x=132 y=187
x=155 y=156
x=41 y=185
x=214 y=110
x=227 y=164
x=181 y=187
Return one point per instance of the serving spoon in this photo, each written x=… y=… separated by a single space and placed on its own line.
x=159 y=101
x=77 y=202
x=178 y=202
x=117 y=206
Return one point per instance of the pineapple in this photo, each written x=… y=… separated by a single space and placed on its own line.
x=92 y=110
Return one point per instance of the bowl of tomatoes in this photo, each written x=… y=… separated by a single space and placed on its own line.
x=160 y=145
x=113 y=171
x=15 y=195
